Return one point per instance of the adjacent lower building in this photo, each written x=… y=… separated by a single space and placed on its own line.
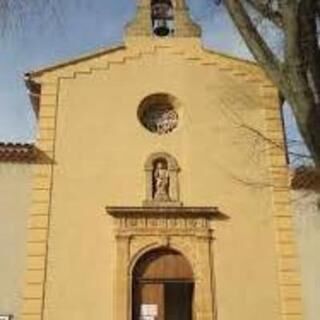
x=306 y=205
x=15 y=201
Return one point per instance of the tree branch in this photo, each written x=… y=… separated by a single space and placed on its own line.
x=298 y=91
x=258 y=47
x=267 y=12
x=298 y=77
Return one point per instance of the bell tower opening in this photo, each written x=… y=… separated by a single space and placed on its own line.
x=162 y=17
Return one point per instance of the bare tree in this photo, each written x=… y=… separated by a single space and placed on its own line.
x=297 y=72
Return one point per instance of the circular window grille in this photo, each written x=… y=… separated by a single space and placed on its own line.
x=158 y=115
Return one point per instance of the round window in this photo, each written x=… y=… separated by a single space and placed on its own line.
x=158 y=114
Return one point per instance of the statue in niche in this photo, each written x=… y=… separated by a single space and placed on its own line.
x=161 y=181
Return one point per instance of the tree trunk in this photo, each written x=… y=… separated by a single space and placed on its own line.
x=298 y=77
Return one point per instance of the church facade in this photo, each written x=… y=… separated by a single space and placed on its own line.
x=160 y=189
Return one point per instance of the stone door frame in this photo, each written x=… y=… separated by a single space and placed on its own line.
x=187 y=230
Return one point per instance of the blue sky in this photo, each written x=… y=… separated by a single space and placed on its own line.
x=80 y=26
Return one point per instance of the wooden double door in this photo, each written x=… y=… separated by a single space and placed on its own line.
x=163 y=287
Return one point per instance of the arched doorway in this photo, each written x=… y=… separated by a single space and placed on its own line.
x=162 y=286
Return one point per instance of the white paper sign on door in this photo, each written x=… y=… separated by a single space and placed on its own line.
x=147 y=318
x=150 y=310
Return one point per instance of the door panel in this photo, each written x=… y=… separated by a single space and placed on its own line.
x=149 y=294
x=178 y=301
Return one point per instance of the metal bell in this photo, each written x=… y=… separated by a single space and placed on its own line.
x=161 y=28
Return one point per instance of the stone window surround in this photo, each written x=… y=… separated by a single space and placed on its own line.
x=164 y=123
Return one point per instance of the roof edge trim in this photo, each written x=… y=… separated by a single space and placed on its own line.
x=232 y=57
x=63 y=63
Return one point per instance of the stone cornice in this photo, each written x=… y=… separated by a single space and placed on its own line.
x=191 y=211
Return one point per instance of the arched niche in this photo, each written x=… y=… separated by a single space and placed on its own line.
x=162 y=183
x=162 y=286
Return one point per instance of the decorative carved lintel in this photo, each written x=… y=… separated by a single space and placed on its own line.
x=164 y=221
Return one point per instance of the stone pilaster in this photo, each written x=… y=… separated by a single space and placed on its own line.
x=122 y=287
x=291 y=306
x=204 y=284
x=39 y=217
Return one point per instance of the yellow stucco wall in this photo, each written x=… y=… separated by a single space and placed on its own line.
x=307 y=223
x=89 y=126
x=15 y=197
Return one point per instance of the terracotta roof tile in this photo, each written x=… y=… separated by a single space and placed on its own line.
x=306 y=178
x=18 y=152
